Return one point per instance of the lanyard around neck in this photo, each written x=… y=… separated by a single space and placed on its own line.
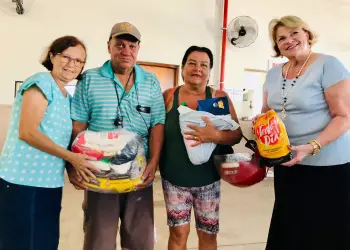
x=116 y=91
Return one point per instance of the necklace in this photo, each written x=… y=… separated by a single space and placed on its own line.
x=284 y=93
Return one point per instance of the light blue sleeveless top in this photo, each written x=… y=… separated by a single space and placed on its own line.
x=23 y=164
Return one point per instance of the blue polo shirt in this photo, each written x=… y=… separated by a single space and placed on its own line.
x=95 y=101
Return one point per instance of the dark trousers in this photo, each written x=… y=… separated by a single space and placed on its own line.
x=312 y=208
x=102 y=214
x=29 y=217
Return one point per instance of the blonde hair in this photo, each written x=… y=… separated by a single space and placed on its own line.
x=293 y=22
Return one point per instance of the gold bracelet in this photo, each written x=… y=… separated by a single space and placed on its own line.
x=317 y=143
x=316 y=147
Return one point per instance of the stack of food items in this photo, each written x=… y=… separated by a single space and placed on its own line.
x=120 y=156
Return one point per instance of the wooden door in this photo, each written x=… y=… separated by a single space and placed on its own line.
x=167 y=74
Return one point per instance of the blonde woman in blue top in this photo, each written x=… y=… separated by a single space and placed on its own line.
x=311 y=94
x=33 y=159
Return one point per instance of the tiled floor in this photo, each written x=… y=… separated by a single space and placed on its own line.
x=245 y=216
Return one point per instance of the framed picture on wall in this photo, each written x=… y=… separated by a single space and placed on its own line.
x=17 y=86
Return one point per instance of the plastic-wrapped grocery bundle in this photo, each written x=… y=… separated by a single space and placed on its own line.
x=201 y=153
x=119 y=154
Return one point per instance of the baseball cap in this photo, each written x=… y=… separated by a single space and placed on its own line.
x=125 y=28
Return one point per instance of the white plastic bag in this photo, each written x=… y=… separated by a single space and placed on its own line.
x=201 y=153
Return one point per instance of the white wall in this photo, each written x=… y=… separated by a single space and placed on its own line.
x=168 y=29
x=329 y=18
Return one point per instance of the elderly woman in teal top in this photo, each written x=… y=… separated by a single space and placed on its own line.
x=33 y=159
x=311 y=93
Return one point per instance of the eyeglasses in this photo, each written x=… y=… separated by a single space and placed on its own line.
x=67 y=59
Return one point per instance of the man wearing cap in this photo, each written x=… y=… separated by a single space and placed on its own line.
x=120 y=94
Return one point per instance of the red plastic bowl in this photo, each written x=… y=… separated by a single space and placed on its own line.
x=240 y=170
